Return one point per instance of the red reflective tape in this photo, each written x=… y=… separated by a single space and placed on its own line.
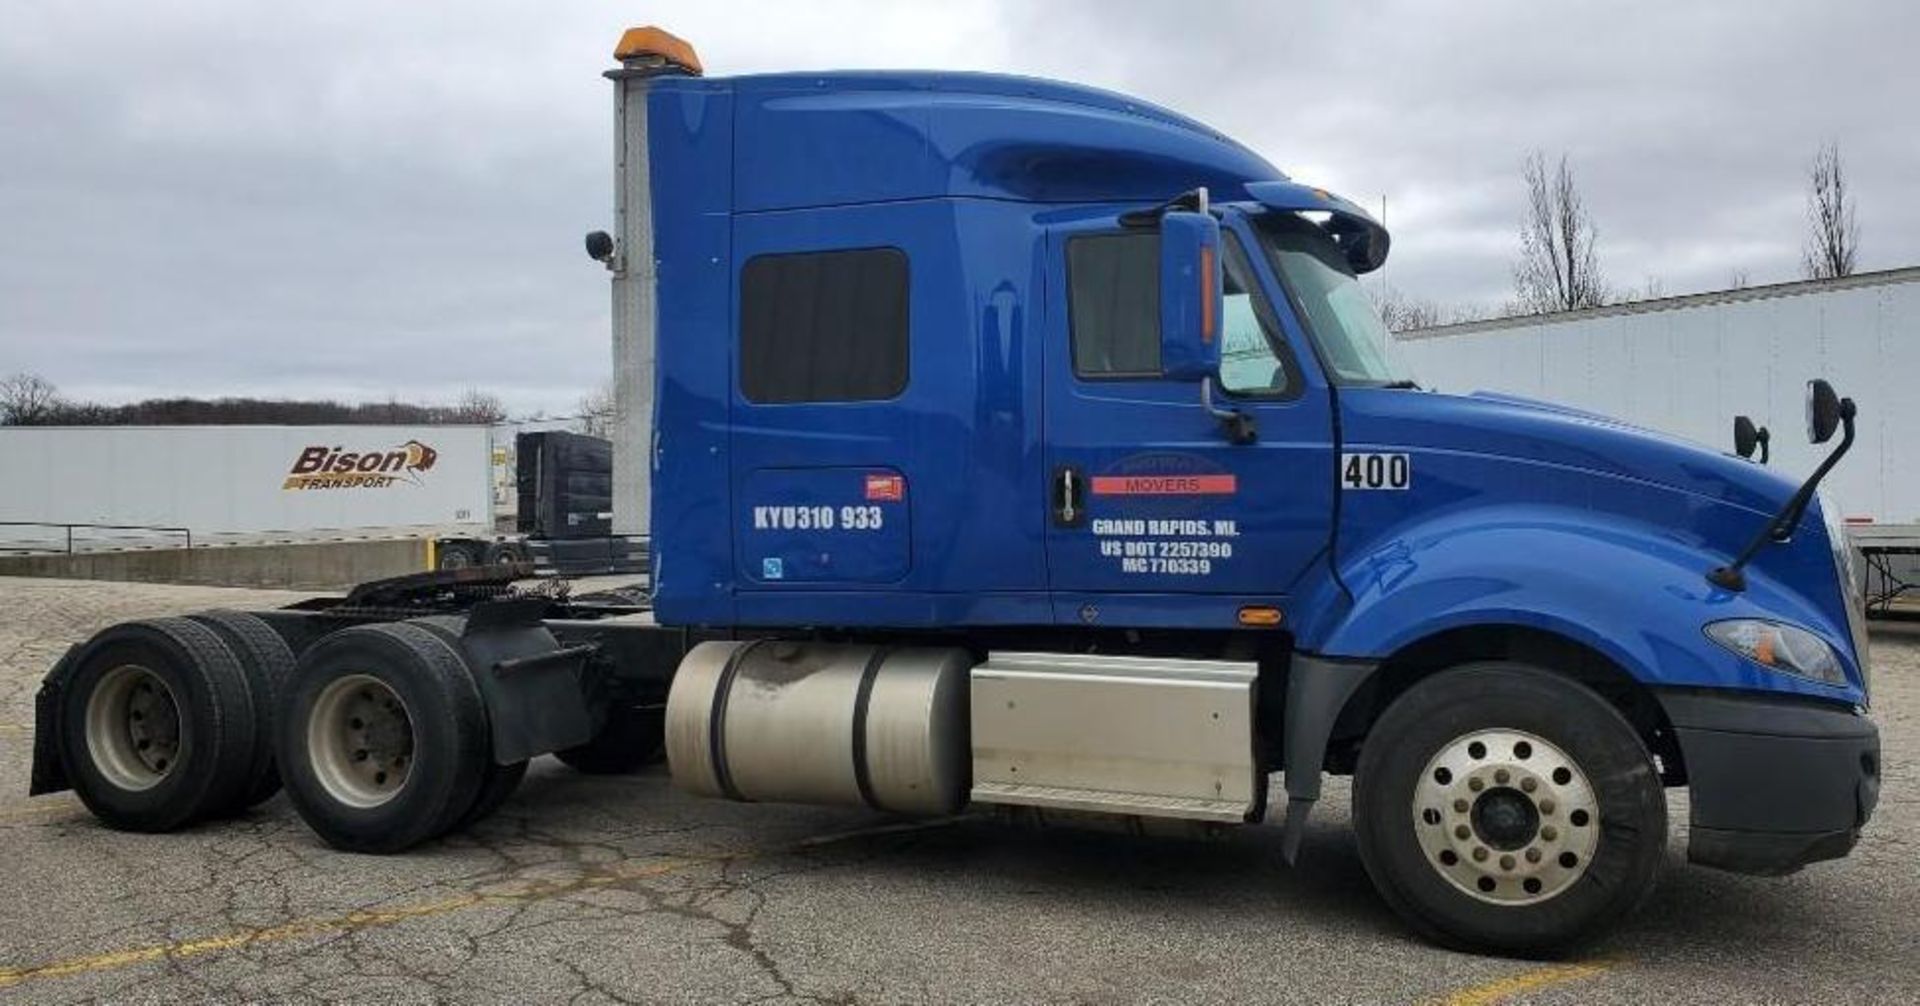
x=886 y=488
x=1164 y=485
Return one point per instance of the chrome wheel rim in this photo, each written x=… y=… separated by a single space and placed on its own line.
x=1506 y=817
x=360 y=741
x=133 y=728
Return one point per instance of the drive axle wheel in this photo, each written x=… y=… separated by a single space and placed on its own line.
x=632 y=738
x=1503 y=808
x=361 y=741
x=267 y=662
x=383 y=741
x=157 y=725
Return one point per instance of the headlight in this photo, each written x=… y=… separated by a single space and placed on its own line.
x=1780 y=647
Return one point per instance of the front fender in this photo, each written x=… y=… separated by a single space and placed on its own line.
x=1631 y=591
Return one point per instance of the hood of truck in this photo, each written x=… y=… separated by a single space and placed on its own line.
x=1539 y=511
x=1560 y=442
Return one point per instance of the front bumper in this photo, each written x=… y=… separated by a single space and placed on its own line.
x=1776 y=783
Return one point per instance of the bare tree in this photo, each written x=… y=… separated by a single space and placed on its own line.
x=1558 y=270
x=597 y=411
x=27 y=400
x=1401 y=313
x=1833 y=241
x=1740 y=280
x=476 y=406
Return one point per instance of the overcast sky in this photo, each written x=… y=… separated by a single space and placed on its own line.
x=369 y=199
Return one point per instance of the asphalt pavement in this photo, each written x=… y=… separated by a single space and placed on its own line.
x=593 y=890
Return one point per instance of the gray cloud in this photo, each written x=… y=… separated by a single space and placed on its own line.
x=363 y=199
x=1689 y=125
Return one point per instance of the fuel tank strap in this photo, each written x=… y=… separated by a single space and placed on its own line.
x=862 y=775
x=717 y=726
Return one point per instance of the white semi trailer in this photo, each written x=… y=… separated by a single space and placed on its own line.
x=1688 y=365
x=120 y=486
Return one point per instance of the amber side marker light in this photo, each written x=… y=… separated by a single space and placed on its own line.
x=1259 y=615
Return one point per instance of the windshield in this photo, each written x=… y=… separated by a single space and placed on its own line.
x=1340 y=319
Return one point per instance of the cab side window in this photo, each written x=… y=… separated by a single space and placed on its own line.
x=1113 y=308
x=1113 y=284
x=1248 y=364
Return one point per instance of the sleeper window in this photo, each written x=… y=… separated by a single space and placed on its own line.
x=824 y=326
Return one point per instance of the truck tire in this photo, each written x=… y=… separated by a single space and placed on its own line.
x=457 y=555
x=633 y=738
x=268 y=662
x=383 y=743
x=498 y=781
x=505 y=553
x=1502 y=808
x=157 y=726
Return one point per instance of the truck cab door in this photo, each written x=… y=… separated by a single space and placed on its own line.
x=1154 y=517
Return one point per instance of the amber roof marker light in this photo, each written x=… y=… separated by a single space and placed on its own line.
x=648 y=45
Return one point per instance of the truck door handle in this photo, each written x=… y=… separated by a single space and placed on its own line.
x=1069 y=493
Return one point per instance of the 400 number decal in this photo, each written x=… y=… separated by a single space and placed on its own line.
x=1375 y=471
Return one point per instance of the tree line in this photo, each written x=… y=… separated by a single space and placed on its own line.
x=31 y=400
x=1558 y=267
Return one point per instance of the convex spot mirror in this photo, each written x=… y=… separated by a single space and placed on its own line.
x=1823 y=411
x=1190 y=295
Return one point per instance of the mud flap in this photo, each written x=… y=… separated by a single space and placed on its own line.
x=49 y=771
x=1317 y=690
x=534 y=688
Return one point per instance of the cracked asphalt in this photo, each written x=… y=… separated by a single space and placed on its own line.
x=595 y=890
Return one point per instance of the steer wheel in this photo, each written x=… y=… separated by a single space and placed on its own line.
x=1503 y=808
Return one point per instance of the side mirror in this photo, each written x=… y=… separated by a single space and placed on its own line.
x=1745 y=436
x=1190 y=295
x=599 y=246
x=1823 y=411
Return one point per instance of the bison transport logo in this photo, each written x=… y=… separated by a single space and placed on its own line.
x=338 y=468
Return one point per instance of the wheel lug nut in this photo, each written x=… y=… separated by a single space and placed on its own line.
x=1549 y=833
x=1506 y=862
x=1479 y=855
x=1546 y=806
x=1475 y=784
x=1501 y=777
x=1533 y=855
x=1529 y=784
x=1460 y=806
x=1463 y=833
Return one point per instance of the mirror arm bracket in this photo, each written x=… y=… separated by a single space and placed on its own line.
x=1239 y=426
x=1733 y=576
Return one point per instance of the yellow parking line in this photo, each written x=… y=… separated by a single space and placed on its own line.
x=1502 y=989
x=368 y=918
x=39 y=809
x=16 y=728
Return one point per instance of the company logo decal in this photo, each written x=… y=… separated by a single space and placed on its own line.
x=338 y=468
x=886 y=488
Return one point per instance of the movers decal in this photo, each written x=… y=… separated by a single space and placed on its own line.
x=1164 y=485
x=1164 y=513
x=338 y=468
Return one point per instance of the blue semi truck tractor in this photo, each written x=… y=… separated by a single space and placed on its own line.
x=1012 y=444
